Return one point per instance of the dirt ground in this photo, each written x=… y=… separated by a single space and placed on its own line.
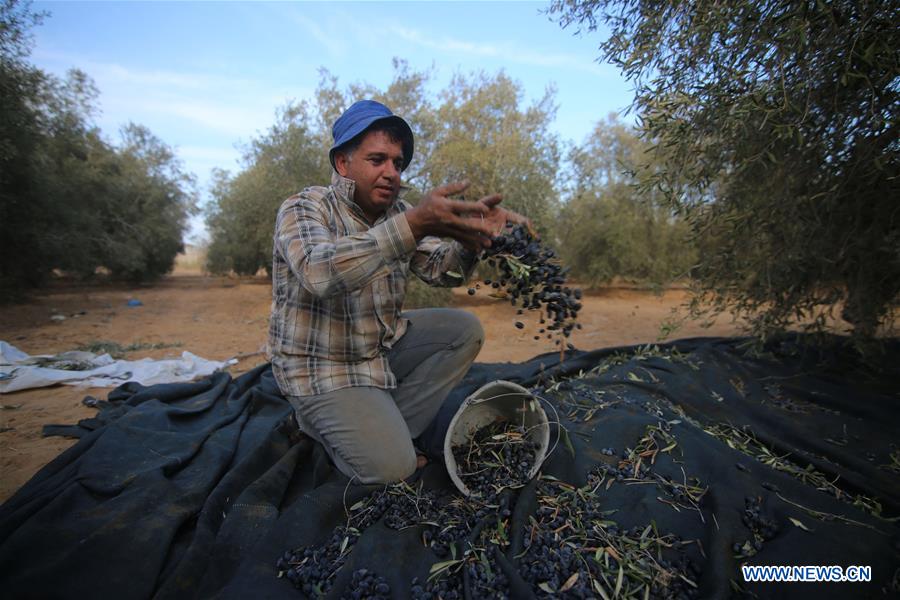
x=221 y=318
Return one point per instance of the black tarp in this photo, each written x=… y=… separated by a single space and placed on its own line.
x=195 y=490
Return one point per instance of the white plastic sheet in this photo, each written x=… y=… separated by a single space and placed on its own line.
x=19 y=371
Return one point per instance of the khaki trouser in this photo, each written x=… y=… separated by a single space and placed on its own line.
x=368 y=431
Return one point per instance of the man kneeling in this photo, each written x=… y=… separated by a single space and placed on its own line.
x=364 y=376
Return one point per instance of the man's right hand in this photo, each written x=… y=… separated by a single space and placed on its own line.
x=438 y=215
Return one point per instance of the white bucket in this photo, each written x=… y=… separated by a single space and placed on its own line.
x=497 y=401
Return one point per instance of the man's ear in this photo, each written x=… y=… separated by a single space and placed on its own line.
x=341 y=161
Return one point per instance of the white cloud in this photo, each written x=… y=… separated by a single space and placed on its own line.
x=110 y=71
x=238 y=119
x=506 y=52
x=331 y=43
x=203 y=115
x=223 y=104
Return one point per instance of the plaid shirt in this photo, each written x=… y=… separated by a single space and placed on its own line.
x=338 y=285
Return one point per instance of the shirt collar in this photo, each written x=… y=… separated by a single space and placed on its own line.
x=343 y=191
x=343 y=187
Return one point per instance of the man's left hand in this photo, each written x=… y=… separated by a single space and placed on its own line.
x=497 y=217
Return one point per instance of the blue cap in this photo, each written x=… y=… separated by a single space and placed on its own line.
x=358 y=118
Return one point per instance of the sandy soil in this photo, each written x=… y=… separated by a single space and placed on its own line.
x=220 y=318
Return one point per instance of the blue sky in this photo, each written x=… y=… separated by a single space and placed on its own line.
x=207 y=77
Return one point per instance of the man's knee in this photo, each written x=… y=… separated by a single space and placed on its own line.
x=387 y=463
x=470 y=330
x=363 y=432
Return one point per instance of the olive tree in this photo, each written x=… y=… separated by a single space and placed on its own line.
x=150 y=198
x=774 y=126
x=20 y=138
x=487 y=134
x=70 y=199
x=241 y=217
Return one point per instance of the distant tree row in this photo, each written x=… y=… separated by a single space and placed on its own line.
x=479 y=128
x=70 y=199
x=611 y=228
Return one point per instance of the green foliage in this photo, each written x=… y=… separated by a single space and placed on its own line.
x=483 y=135
x=775 y=134
x=142 y=232
x=610 y=228
x=241 y=217
x=70 y=200
x=20 y=136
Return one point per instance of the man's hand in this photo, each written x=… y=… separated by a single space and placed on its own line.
x=466 y=222
x=497 y=217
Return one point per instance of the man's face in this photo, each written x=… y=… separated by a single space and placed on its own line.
x=375 y=168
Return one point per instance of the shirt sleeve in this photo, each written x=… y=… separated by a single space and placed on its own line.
x=443 y=263
x=326 y=264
